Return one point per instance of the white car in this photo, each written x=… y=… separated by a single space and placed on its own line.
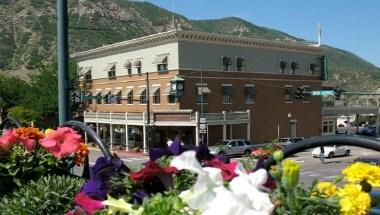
x=332 y=151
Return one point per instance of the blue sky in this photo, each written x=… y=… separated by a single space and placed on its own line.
x=353 y=25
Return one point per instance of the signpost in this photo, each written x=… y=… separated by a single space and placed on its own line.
x=322 y=93
x=202 y=126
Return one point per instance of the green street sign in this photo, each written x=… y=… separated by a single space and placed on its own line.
x=322 y=93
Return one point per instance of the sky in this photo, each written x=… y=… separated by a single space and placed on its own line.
x=353 y=25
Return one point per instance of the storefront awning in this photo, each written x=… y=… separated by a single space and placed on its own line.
x=116 y=91
x=228 y=90
x=154 y=90
x=141 y=91
x=203 y=90
x=109 y=66
x=137 y=63
x=105 y=92
x=128 y=91
x=85 y=70
x=96 y=92
x=161 y=59
x=128 y=64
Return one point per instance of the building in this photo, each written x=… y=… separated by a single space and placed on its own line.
x=234 y=87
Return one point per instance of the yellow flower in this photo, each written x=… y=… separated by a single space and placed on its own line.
x=48 y=130
x=327 y=189
x=291 y=173
x=353 y=201
x=359 y=171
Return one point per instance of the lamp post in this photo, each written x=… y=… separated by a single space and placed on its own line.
x=289 y=125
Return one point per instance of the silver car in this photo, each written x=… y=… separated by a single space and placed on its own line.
x=233 y=147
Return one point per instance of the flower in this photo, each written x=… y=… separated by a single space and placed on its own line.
x=353 y=200
x=8 y=139
x=88 y=204
x=210 y=196
x=359 y=172
x=62 y=142
x=101 y=172
x=81 y=154
x=290 y=174
x=327 y=189
x=228 y=170
x=29 y=137
x=152 y=169
x=115 y=205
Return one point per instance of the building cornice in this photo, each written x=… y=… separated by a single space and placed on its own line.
x=176 y=35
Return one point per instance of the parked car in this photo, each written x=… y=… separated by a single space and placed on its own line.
x=368 y=159
x=368 y=130
x=332 y=151
x=288 y=140
x=233 y=147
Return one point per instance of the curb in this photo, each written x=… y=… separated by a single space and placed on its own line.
x=121 y=153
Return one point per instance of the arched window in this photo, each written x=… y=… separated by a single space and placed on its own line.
x=283 y=65
x=137 y=65
x=128 y=66
x=294 y=66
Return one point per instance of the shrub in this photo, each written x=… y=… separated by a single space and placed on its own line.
x=49 y=195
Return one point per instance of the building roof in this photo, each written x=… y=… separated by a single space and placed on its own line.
x=178 y=35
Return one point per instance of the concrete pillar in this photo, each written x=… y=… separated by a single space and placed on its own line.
x=197 y=128
x=249 y=125
x=145 y=140
x=126 y=138
x=224 y=125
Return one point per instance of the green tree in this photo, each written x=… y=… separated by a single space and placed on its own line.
x=23 y=115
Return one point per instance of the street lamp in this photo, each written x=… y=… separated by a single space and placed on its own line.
x=290 y=130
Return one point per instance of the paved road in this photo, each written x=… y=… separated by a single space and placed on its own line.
x=311 y=168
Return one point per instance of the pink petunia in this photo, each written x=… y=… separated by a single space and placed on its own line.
x=228 y=170
x=62 y=142
x=9 y=138
x=88 y=204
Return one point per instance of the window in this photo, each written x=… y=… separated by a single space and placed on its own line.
x=89 y=98
x=313 y=67
x=107 y=98
x=249 y=93
x=156 y=95
x=130 y=96
x=227 y=92
x=162 y=67
x=171 y=99
x=289 y=93
x=202 y=92
x=227 y=62
x=137 y=65
x=118 y=97
x=128 y=66
x=240 y=64
x=112 y=72
x=162 y=62
x=294 y=66
x=328 y=127
x=143 y=98
x=98 y=98
x=88 y=76
x=283 y=65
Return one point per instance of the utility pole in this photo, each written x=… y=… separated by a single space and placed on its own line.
x=63 y=62
x=148 y=133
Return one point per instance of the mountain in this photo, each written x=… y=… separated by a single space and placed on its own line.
x=28 y=37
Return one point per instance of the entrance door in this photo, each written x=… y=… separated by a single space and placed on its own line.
x=293 y=128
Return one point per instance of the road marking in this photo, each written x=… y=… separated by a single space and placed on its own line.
x=313 y=175
x=300 y=161
x=329 y=177
x=306 y=172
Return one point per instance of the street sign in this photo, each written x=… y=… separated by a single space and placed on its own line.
x=202 y=120
x=202 y=126
x=322 y=92
x=202 y=131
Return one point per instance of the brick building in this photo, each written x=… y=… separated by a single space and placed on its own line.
x=237 y=87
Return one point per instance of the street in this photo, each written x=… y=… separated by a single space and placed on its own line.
x=311 y=168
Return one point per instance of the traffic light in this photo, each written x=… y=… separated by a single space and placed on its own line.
x=338 y=92
x=299 y=94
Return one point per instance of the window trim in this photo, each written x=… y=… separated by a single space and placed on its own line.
x=291 y=69
x=244 y=66
x=229 y=66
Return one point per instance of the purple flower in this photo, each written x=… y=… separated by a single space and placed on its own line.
x=176 y=148
x=105 y=168
x=157 y=153
x=139 y=196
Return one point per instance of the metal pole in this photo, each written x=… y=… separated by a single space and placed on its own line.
x=63 y=73
x=202 y=100
x=148 y=110
x=290 y=130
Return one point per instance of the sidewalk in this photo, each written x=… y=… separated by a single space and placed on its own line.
x=123 y=153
